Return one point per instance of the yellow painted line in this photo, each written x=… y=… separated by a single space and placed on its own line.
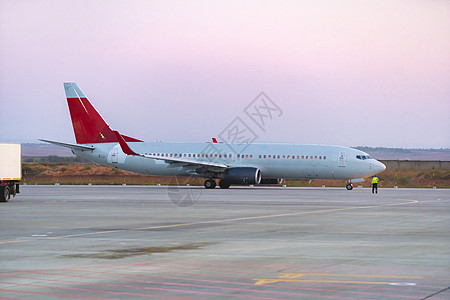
x=273 y=216
x=268 y=281
x=290 y=275
x=84 y=234
x=16 y=241
x=296 y=275
x=218 y=221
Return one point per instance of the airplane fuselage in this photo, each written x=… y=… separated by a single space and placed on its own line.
x=288 y=161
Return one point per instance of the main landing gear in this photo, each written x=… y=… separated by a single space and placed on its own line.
x=223 y=184
x=349 y=187
x=211 y=183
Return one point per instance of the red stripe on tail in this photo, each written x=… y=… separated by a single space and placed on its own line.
x=89 y=126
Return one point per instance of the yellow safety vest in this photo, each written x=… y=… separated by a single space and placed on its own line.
x=375 y=180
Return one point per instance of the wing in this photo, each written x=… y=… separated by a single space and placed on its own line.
x=199 y=167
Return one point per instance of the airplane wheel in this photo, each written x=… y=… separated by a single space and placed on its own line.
x=210 y=184
x=349 y=187
x=223 y=184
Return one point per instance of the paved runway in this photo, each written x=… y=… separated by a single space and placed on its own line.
x=97 y=242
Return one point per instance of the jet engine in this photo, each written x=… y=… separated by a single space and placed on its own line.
x=242 y=175
x=271 y=181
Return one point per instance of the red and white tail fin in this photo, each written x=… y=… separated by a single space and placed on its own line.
x=88 y=125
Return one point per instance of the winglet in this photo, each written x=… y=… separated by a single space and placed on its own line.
x=125 y=148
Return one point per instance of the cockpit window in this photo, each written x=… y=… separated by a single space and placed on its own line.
x=363 y=157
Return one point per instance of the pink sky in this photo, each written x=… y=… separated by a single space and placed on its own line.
x=373 y=73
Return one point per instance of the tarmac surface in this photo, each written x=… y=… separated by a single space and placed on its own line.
x=97 y=242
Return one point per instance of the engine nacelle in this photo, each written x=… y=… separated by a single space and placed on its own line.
x=242 y=175
x=271 y=181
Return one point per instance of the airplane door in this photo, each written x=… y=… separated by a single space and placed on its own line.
x=114 y=155
x=342 y=159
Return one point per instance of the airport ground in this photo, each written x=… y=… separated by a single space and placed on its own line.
x=122 y=242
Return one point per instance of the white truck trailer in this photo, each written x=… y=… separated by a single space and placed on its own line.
x=10 y=170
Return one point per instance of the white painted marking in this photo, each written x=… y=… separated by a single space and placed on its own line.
x=39 y=235
x=403 y=283
x=80 y=100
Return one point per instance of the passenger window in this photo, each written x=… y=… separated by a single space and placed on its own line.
x=320 y=157
x=283 y=157
x=246 y=156
x=251 y=155
x=324 y=157
x=260 y=156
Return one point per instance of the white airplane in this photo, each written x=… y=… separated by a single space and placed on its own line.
x=256 y=164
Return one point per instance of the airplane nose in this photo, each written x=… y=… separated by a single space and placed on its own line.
x=379 y=167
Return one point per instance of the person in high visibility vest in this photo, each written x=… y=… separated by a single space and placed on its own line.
x=375 y=184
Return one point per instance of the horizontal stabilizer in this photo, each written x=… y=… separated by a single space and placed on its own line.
x=68 y=145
